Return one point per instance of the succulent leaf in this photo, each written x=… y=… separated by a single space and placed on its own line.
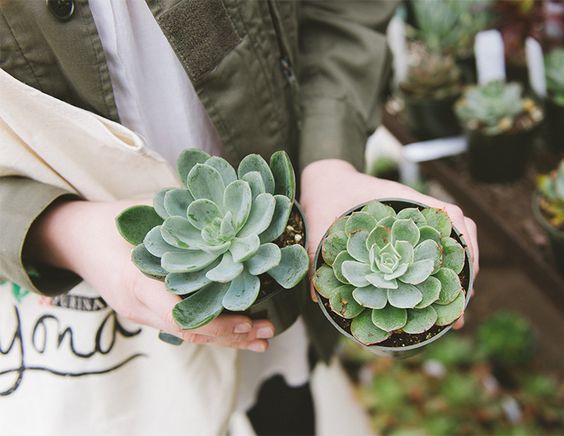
x=255 y=162
x=200 y=307
x=292 y=268
x=333 y=245
x=242 y=292
x=412 y=213
x=450 y=285
x=267 y=257
x=405 y=296
x=186 y=261
x=206 y=182
x=337 y=226
x=355 y=273
x=156 y=245
x=359 y=221
x=389 y=319
x=325 y=281
x=453 y=255
x=284 y=176
x=342 y=257
x=146 y=262
x=405 y=230
x=244 y=248
x=254 y=180
x=176 y=202
x=178 y=232
x=158 y=203
x=448 y=313
x=226 y=271
x=439 y=220
x=187 y=283
x=203 y=212
x=136 y=221
x=238 y=200
x=430 y=250
x=226 y=171
x=380 y=235
x=380 y=281
x=428 y=232
x=356 y=246
x=261 y=215
x=187 y=160
x=371 y=297
x=280 y=217
x=378 y=210
x=343 y=303
x=363 y=329
x=420 y=320
x=431 y=289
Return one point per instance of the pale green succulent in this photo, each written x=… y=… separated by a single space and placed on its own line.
x=551 y=188
x=392 y=272
x=212 y=240
x=554 y=68
x=493 y=108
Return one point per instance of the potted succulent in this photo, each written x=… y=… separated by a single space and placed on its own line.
x=393 y=275
x=227 y=240
x=554 y=103
x=429 y=92
x=548 y=207
x=501 y=126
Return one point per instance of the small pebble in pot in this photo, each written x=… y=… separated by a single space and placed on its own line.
x=298 y=238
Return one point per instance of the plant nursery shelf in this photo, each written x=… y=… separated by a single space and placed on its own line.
x=502 y=210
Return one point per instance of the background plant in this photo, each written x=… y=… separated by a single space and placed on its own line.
x=551 y=188
x=433 y=77
x=391 y=272
x=213 y=239
x=554 y=67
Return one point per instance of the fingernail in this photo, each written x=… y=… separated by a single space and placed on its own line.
x=258 y=347
x=265 y=333
x=243 y=328
x=170 y=339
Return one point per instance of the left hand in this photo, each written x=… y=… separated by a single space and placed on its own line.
x=331 y=187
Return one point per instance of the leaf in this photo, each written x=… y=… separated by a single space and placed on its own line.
x=260 y=217
x=284 y=176
x=355 y=273
x=431 y=289
x=238 y=200
x=420 y=320
x=206 y=182
x=338 y=225
x=343 y=303
x=387 y=221
x=255 y=162
x=418 y=272
x=179 y=232
x=187 y=283
x=400 y=271
x=450 y=285
x=364 y=330
x=176 y=202
x=254 y=180
x=358 y=221
x=428 y=232
x=203 y=212
x=454 y=255
x=292 y=268
x=379 y=210
x=371 y=297
x=356 y=246
x=405 y=296
x=242 y=292
x=135 y=222
x=405 y=251
x=380 y=236
x=413 y=214
x=226 y=229
x=156 y=245
x=332 y=245
x=325 y=282
x=187 y=261
x=223 y=167
x=439 y=220
x=405 y=230
x=187 y=160
x=447 y=314
x=429 y=250
x=389 y=318
x=158 y=203
x=244 y=248
x=343 y=256
x=279 y=221
x=146 y=262
x=377 y=279
x=201 y=307
x=226 y=271
x=266 y=257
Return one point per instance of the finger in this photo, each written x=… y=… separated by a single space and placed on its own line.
x=459 y=323
x=473 y=231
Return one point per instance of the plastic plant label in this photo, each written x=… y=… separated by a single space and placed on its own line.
x=535 y=63
x=490 y=56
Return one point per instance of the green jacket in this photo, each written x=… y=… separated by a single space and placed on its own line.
x=271 y=74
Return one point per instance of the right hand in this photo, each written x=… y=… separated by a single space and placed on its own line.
x=82 y=237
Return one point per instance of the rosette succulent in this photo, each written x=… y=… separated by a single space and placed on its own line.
x=213 y=239
x=551 y=189
x=495 y=108
x=554 y=67
x=392 y=272
x=433 y=77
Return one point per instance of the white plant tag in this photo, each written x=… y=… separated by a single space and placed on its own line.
x=490 y=56
x=396 y=39
x=535 y=63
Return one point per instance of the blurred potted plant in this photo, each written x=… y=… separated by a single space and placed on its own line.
x=548 y=207
x=554 y=103
x=393 y=275
x=429 y=92
x=501 y=126
x=226 y=240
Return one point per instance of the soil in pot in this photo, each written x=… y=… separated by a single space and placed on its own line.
x=554 y=125
x=555 y=235
x=432 y=118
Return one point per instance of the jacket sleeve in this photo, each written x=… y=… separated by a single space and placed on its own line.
x=21 y=202
x=343 y=63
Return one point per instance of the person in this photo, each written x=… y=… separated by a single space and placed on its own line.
x=232 y=78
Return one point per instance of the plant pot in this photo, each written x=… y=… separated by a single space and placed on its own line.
x=555 y=236
x=554 y=131
x=432 y=118
x=499 y=158
x=281 y=306
x=384 y=348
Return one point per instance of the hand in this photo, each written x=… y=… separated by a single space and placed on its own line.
x=82 y=237
x=331 y=187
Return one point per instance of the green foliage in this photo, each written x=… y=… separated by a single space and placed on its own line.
x=497 y=107
x=212 y=239
x=392 y=272
x=554 y=70
x=551 y=188
x=434 y=77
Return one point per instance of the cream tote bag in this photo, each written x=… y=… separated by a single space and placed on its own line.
x=70 y=365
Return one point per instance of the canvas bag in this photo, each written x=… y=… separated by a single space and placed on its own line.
x=71 y=365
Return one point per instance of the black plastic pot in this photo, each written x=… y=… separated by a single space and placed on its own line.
x=431 y=118
x=409 y=350
x=555 y=236
x=500 y=158
x=282 y=306
x=554 y=125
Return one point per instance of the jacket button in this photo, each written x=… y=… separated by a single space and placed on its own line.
x=61 y=9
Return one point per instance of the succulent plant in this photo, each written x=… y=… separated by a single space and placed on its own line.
x=554 y=68
x=551 y=188
x=433 y=77
x=497 y=107
x=212 y=239
x=392 y=272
